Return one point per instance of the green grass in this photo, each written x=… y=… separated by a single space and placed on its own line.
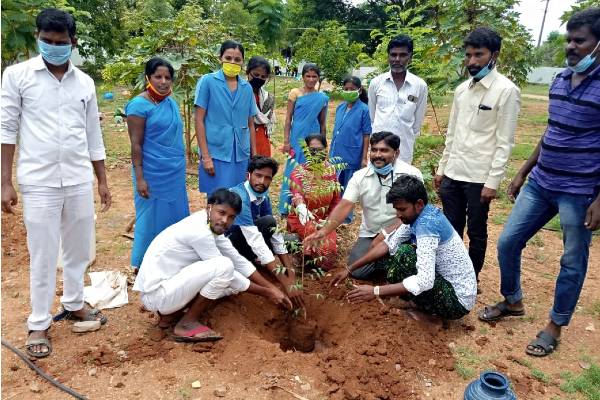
x=467 y=362
x=541 y=376
x=522 y=151
x=536 y=240
x=539 y=90
x=586 y=383
x=499 y=219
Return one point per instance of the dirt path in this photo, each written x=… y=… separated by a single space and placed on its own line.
x=369 y=351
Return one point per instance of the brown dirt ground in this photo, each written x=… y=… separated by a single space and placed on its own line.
x=367 y=351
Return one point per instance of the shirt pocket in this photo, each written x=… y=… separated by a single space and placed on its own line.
x=73 y=110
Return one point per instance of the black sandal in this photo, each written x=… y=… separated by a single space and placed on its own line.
x=485 y=314
x=543 y=345
x=93 y=314
x=31 y=343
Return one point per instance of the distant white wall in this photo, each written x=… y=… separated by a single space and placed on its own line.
x=362 y=72
x=543 y=75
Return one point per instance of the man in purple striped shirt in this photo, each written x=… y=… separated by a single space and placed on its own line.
x=564 y=179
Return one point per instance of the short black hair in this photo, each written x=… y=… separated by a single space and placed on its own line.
x=257 y=62
x=311 y=67
x=226 y=197
x=316 y=136
x=484 y=38
x=407 y=187
x=231 y=44
x=590 y=17
x=401 y=41
x=155 y=62
x=55 y=20
x=362 y=93
x=260 y=162
x=390 y=139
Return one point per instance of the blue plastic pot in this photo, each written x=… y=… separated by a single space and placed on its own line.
x=491 y=385
x=108 y=96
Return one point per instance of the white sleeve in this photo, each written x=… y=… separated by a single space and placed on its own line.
x=420 y=112
x=11 y=107
x=92 y=128
x=278 y=243
x=372 y=99
x=425 y=277
x=257 y=243
x=240 y=263
x=396 y=238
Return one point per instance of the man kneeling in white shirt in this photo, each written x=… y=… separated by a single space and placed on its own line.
x=191 y=263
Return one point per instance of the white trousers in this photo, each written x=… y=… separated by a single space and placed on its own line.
x=213 y=279
x=51 y=214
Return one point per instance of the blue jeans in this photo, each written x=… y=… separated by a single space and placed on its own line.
x=535 y=206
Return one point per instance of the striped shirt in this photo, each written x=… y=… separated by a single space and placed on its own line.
x=569 y=159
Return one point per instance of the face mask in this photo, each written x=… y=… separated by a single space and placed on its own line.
x=585 y=62
x=55 y=54
x=350 y=96
x=484 y=71
x=256 y=194
x=155 y=94
x=256 y=83
x=231 y=70
x=383 y=171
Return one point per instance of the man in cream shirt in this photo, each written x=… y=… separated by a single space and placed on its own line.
x=369 y=187
x=398 y=98
x=480 y=138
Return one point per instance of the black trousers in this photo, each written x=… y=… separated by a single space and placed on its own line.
x=266 y=226
x=462 y=205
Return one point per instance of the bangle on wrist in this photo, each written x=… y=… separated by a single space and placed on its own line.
x=376 y=291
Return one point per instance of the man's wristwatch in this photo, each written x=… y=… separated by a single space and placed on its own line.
x=376 y=291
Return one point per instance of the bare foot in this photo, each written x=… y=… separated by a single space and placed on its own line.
x=433 y=320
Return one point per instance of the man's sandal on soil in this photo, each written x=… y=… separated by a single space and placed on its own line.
x=498 y=311
x=543 y=345
x=92 y=314
x=31 y=343
x=191 y=335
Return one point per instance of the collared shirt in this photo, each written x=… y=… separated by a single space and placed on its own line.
x=481 y=130
x=368 y=189
x=227 y=114
x=439 y=250
x=569 y=159
x=398 y=111
x=182 y=244
x=252 y=208
x=55 y=123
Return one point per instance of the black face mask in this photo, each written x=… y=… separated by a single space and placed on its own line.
x=256 y=83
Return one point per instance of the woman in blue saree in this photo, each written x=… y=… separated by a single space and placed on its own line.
x=158 y=156
x=306 y=114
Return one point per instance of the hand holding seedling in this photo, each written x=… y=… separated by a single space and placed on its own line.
x=339 y=277
x=278 y=298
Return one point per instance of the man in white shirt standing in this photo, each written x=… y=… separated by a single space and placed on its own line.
x=191 y=263
x=50 y=106
x=398 y=98
x=369 y=187
x=480 y=138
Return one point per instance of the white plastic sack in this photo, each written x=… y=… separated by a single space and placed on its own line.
x=108 y=290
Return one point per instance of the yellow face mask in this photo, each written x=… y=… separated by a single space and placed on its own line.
x=231 y=70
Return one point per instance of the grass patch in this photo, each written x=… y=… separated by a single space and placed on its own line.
x=541 y=376
x=467 y=362
x=537 y=89
x=536 y=241
x=586 y=383
x=499 y=219
x=522 y=151
x=554 y=224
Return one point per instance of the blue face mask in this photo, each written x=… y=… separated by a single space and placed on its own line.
x=55 y=54
x=484 y=71
x=585 y=62
x=383 y=171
